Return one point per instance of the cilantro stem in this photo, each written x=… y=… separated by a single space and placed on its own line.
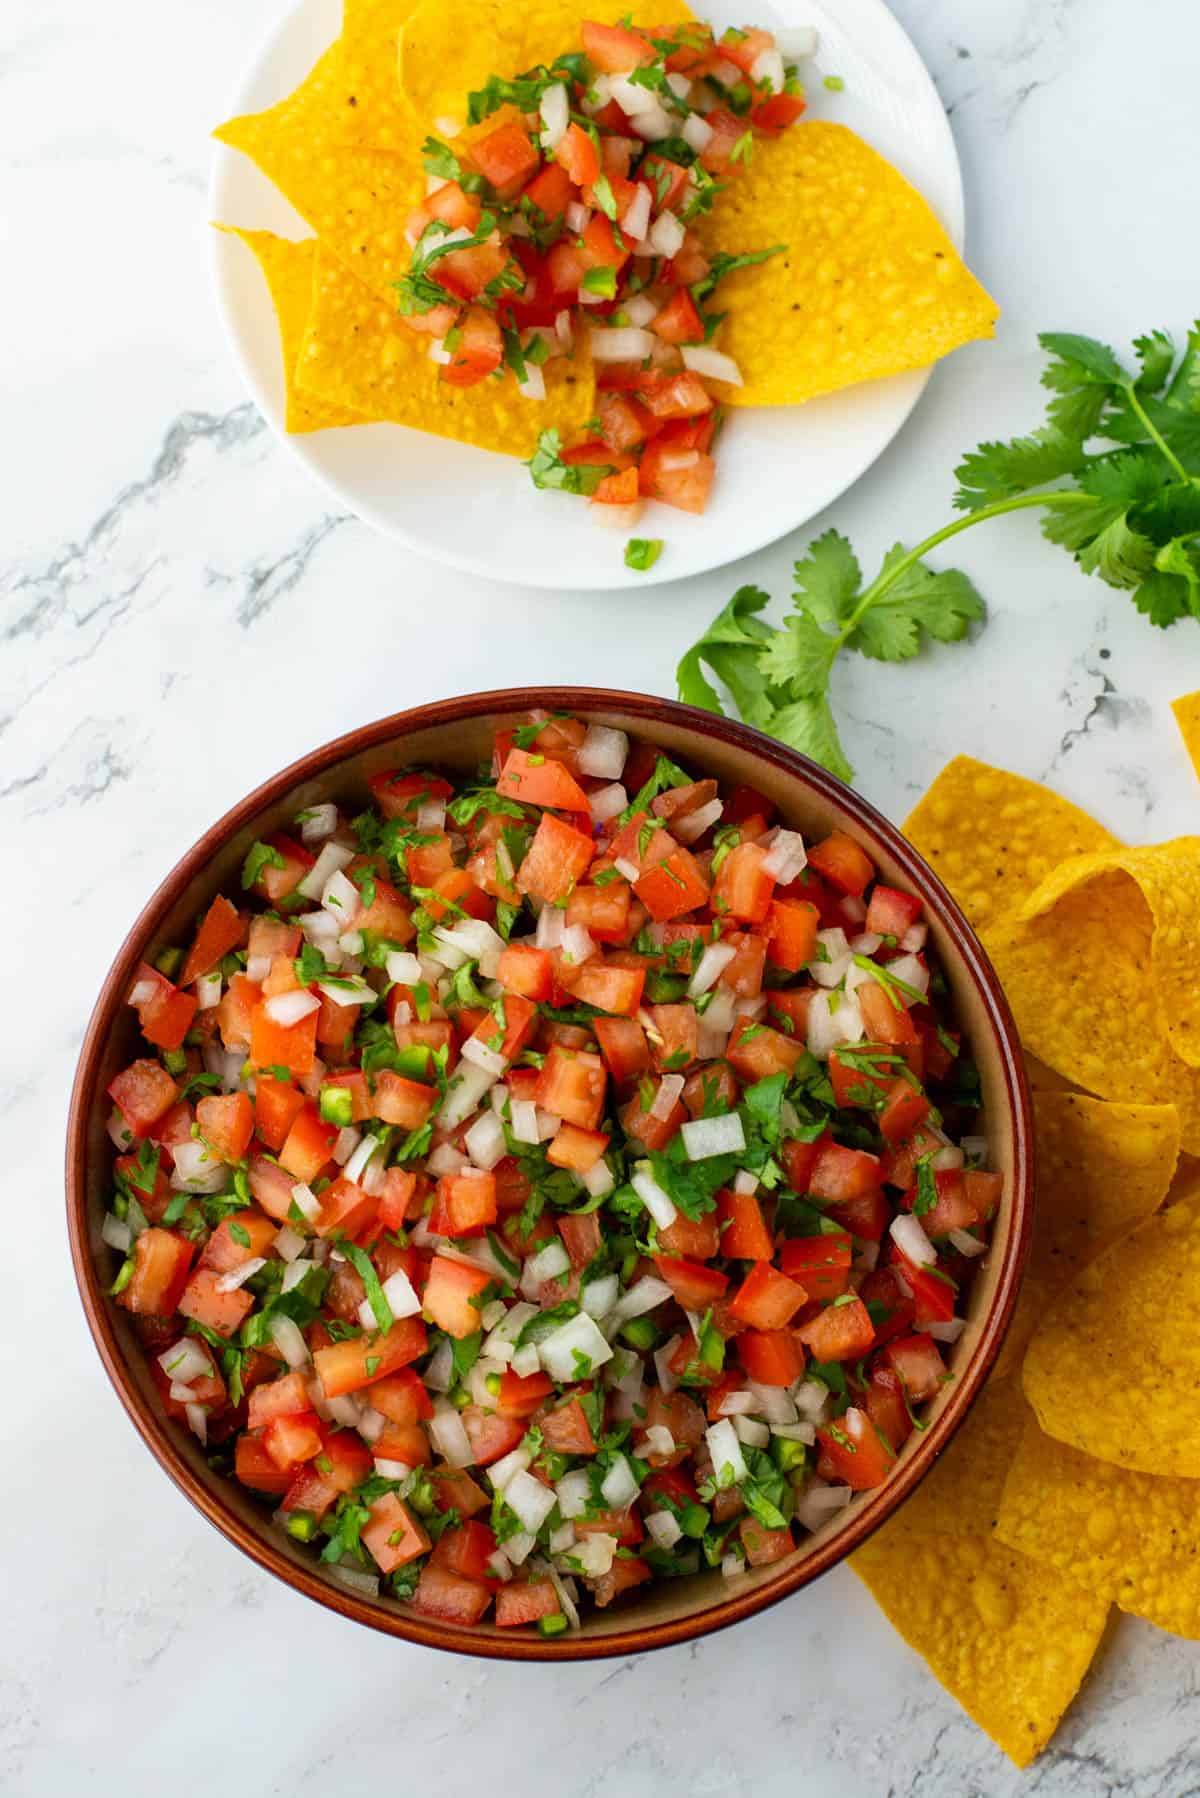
x=888 y=578
x=1155 y=435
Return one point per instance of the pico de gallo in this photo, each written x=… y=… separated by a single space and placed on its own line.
x=573 y=216
x=545 y=1182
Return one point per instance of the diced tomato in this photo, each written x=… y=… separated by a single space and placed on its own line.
x=853 y=1452
x=951 y=1209
x=667 y=178
x=446 y=1300
x=618 y=490
x=525 y=970
x=520 y=1397
x=727 y=131
x=677 y=1030
x=983 y=1193
x=891 y=912
x=694 y=1285
x=491 y=1435
x=621 y=1577
x=399 y=792
x=839 y=860
x=405 y=1103
x=284 y=1397
x=164 y=1012
x=480 y=347
x=841 y=1173
x=222 y=931
x=616 y=49
x=466 y=1550
x=843 y=1331
x=255 y=1468
x=624 y=1047
x=550 y=191
x=673 y=886
x=624 y=423
x=892 y=1308
x=853 y=1083
x=772 y=1357
x=918 y=1365
x=578 y=155
x=638 y=1121
x=675 y=396
x=143 y=1093
x=536 y=779
x=884 y=1404
x=465 y=1204
x=679 y=321
x=775 y=114
x=292 y=1046
x=572 y=1085
x=276 y=1103
x=763 y=1545
x=755 y=1051
x=225 y=1250
x=290 y=1441
x=402 y=1398
x=905 y=1107
x=506 y=158
x=449 y=1598
x=524 y=1601
x=203 y=1301
x=933 y=1292
x=360 y=1360
x=226 y=1122
x=279 y=879
x=576 y=1149
x=309 y=1144
x=393 y=1536
x=898 y=1164
x=744 y=1236
x=555 y=861
x=741 y=889
x=160 y=1269
x=767 y=1299
x=792 y=926
x=567 y=1430
x=821 y=1264
x=885 y=1018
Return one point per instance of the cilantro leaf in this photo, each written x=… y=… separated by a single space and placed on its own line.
x=548 y=470
x=828 y=579
x=261 y=855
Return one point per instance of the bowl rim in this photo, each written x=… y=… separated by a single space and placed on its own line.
x=407 y=1624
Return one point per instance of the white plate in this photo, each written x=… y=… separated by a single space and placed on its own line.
x=777 y=467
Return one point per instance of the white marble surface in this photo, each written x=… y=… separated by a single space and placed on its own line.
x=182 y=615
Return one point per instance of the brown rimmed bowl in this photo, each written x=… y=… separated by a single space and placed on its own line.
x=457 y=733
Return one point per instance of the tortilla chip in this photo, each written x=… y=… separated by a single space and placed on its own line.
x=1167 y=876
x=1114 y=1368
x=870 y=284
x=993 y=837
x=1187 y=717
x=447 y=52
x=1078 y=980
x=1101 y=1170
x=357 y=201
x=376 y=115
x=288 y=268
x=357 y=353
x=1130 y=1536
x=1007 y=1637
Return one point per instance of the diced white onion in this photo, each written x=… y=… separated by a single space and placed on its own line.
x=712 y=964
x=705 y=1137
x=524 y=1121
x=772 y=1402
x=640 y=309
x=288 y=1338
x=598 y=1297
x=196 y=1168
x=347 y=992
x=318 y=822
x=446 y=1159
x=449 y=1435
x=485 y=1142
x=751 y=1432
x=529 y=1500
x=439 y=1371
x=767 y=70
x=598 y=1179
x=532 y=385
x=731 y=1565
x=797 y=43
x=508 y=1466
x=295 y=1272
x=667 y=1097
x=306 y=1202
x=621 y=343
x=662 y=1364
x=697 y=132
x=619 y=1488
x=387 y=1469
x=359 y=1161
x=665 y=238
x=286 y=1009
x=729 y=1464
x=548 y=1264
x=606 y=802
x=726 y=73
x=652 y=122
x=659 y=1440
x=644 y=1295
x=197 y=1421
x=550 y=926
x=580 y=1336
x=635 y=222
x=786 y=857
x=913 y=972
x=947 y=1159
x=595 y=1553
x=821 y=1502
x=745 y=1181
x=577 y=945
x=950 y=1331
x=518 y=1548
x=332 y=859
x=403 y=968
x=603 y=752
x=116 y=1233
x=341 y=897
x=208 y=991
x=365 y=1584
x=658 y=1203
x=627 y=869
x=467 y=1087
x=911 y=1240
x=914 y=938
x=185 y=1361
x=574 y=1493
x=237 y=1276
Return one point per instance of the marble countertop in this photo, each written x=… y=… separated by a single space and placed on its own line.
x=154 y=531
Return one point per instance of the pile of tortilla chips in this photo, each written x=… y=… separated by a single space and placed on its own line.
x=1075 y=1482
x=871 y=284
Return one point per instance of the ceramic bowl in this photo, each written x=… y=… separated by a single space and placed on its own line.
x=457 y=733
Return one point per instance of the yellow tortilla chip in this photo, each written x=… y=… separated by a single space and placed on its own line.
x=447 y=52
x=1009 y=1638
x=357 y=353
x=869 y=285
x=288 y=268
x=1167 y=876
x=993 y=837
x=1133 y=1537
x=1115 y=1365
x=376 y=113
x=357 y=201
x=1078 y=981
x=1187 y=717
x=1101 y=1170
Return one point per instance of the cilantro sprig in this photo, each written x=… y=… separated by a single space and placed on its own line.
x=1116 y=471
